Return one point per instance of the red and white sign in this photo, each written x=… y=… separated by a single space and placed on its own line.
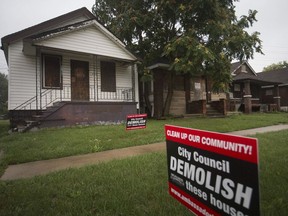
x=136 y=121
x=213 y=173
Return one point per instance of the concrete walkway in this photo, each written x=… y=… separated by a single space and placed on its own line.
x=28 y=170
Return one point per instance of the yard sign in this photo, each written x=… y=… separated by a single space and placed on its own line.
x=213 y=173
x=136 y=121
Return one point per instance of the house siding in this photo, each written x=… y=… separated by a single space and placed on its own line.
x=22 y=77
x=283 y=92
x=87 y=40
x=22 y=81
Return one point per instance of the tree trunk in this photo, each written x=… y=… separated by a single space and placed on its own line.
x=187 y=88
x=158 y=93
x=146 y=99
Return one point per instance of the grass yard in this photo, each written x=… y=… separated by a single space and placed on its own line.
x=134 y=186
x=55 y=143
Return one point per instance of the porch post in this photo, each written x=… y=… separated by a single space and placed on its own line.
x=247 y=97
x=133 y=81
x=39 y=91
x=97 y=83
x=94 y=75
x=187 y=88
x=158 y=93
x=36 y=61
x=277 y=98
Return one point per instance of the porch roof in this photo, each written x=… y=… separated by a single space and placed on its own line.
x=243 y=77
x=280 y=75
x=48 y=39
x=161 y=63
x=53 y=27
x=43 y=27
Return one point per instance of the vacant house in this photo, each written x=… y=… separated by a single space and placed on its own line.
x=188 y=94
x=271 y=94
x=69 y=70
x=252 y=91
x=249 y=91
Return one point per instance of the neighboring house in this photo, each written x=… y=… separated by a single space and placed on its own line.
x=270 y=93
x=189 y=95
x=252 y=91
x=72 y=68
x=249 y=91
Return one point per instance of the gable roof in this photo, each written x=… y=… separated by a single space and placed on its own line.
x=236 y=65
x=264 y=78
x=46 y=25
x=59 y=25
x=110 y=45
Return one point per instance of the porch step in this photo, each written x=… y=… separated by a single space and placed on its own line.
x=28 y=126
x=191 y=115
x=39 y=118
x=211 y=112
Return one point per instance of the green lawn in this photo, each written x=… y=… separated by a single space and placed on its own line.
x=55 y=143
x=134 y=186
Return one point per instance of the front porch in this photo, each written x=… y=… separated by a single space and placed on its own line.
x=47 y=97
x=248 y=94
x=73 y=84
x=71 y=113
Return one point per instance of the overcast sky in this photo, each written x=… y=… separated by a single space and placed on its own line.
x=272 y=16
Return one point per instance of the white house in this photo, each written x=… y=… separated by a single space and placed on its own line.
x=72 y=68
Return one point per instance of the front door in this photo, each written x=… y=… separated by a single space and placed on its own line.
x=79 y=80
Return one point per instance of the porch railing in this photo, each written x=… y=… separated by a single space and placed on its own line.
x=121 y=94
x=49 y=96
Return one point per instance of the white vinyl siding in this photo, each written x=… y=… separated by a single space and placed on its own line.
x=88 y=40
x=87 y=44
x=22 y=76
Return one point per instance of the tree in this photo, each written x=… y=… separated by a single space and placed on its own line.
x=199 y=37
x=145 y=26
x=276 y=66
x=3 y=93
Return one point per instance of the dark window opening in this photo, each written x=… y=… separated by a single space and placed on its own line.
x=108 y=76
x=51 y=71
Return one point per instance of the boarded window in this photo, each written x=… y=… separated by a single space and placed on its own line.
x=51 y=71
x=108 y=76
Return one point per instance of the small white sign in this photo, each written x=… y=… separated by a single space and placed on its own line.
x=197 y=85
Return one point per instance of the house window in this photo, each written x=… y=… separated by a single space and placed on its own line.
x=243 y=68
x=269 y=92
x=108 y=76
x=236 y=87
x=51 y=71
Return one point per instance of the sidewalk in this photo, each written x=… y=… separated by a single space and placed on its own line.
x=28 y=170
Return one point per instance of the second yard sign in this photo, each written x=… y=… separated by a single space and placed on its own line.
x=213 y=173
